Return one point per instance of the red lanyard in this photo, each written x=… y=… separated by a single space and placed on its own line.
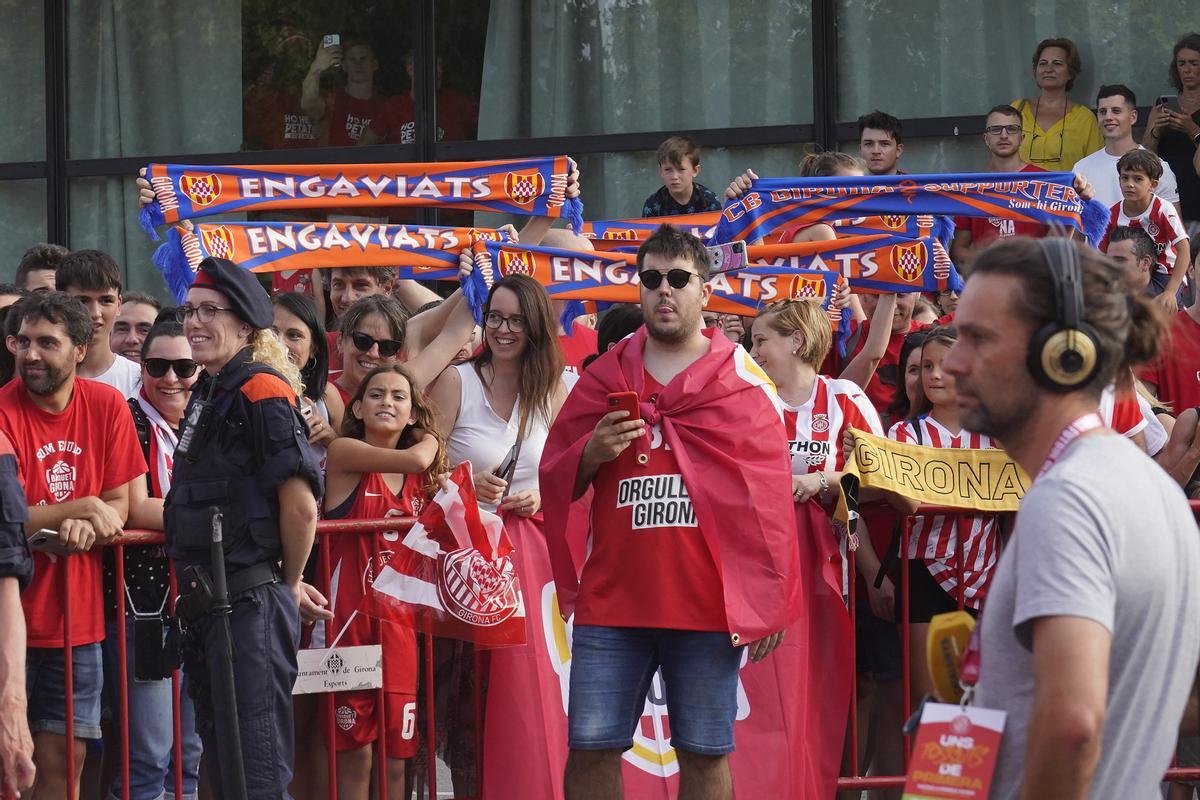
x=969 y=674
x=1088 y=422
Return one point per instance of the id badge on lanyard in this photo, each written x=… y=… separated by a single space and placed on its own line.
x=955 y=753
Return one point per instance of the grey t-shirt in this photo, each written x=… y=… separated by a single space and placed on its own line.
x=1105 y=535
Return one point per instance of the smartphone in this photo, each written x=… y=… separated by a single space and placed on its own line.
x=1171 y=101
x=332 y=40
x=47 y=541
x=727 y=257
x=625 y=401
x=508 y=466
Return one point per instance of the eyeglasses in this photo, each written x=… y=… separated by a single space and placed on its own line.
x=494 y=319
x=182 y=367
x=1049 y=159
x=677 y=278
x=205 y=312
x=387 y=347
x=996 y=130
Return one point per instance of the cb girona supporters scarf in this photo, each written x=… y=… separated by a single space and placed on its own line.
x=722 y=420
x=453 y=574
x=525 y=186
x=1044 y=198
x=420 y=251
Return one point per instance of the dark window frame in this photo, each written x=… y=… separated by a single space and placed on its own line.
x=825 y=131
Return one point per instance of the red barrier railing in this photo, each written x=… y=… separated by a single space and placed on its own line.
x=855 y=781
x=858 y=782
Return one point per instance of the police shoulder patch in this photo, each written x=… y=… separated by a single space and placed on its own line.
x=265 y=386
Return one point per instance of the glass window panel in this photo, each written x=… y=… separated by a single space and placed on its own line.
x=937 y=154
x=23 y=82
x=22 y=221
x=582 y=67
x=298 y=93
x=158 y=76
x=964 y=56
x=615 y=185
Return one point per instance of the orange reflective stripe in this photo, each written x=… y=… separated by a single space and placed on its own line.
x=264 y=386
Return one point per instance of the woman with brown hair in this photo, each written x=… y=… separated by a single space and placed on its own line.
x=1058 y=131
x=497 y=410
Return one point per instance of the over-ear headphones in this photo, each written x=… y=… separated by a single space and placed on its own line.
x=1064 y=354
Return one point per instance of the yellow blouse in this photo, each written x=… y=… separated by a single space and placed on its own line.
x=1071 y=138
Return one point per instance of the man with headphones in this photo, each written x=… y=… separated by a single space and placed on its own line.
x=1089 y=640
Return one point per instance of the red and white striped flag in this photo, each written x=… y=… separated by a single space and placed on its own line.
x=453 y=573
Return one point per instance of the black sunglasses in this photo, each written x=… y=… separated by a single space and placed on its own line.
x=387 y=347
x=678 y=278
x=157 y=367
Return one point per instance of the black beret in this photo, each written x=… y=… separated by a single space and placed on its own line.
x=246 y=295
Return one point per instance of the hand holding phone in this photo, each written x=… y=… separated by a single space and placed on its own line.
x=625 y=401
x=48 y=541
x=1170 y=101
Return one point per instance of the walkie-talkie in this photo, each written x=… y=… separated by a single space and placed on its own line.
x=194 y=430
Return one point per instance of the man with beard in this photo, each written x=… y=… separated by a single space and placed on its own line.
x=1089 y=640
x=77 y=454
x=668 y=584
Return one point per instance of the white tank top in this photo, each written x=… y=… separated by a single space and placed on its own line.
x=482 y=437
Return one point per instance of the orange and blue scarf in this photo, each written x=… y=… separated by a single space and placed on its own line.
x=1046 y=198
x=422 y=252
x=524 y=186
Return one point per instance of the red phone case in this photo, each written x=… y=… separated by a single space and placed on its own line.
x=625 y=401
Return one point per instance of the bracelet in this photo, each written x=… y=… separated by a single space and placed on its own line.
x=1196 y=138
x=824 y=484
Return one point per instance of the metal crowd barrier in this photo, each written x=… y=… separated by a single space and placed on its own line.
x=853 y=782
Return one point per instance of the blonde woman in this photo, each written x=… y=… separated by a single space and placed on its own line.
x=243 y=450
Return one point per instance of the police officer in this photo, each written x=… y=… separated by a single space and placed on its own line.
x=16 y=568
x=243 y=448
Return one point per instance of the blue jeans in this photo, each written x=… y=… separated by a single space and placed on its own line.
x=45 y=688
x=611 y=671
x=151 y=731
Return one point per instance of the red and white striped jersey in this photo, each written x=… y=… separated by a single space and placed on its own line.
x=935 y=539
x=1160 y=220
x=815 y=429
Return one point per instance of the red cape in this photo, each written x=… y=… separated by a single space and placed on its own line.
x=721 y=418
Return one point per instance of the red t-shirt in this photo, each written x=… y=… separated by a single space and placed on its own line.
x=580 y=344
x=335 y=355
x=1177 y=372
x=882 y=386
x=649 y=565
x=273 y=120
x=985 y=230
x=457 y=119
x=348 y=117
x=88 y=449
x=355 y=560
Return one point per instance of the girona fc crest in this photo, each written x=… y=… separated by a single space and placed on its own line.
x=895 y=222
x=202 y=190
x=516 y=262
x=806 y=287
x=476 y=235
x=909 y=261
x=475 y=590
x=622 y=234
x=218 y=242
x=524 y=187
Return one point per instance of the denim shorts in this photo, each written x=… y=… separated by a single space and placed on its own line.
x=611 y=672
x=45 y=687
